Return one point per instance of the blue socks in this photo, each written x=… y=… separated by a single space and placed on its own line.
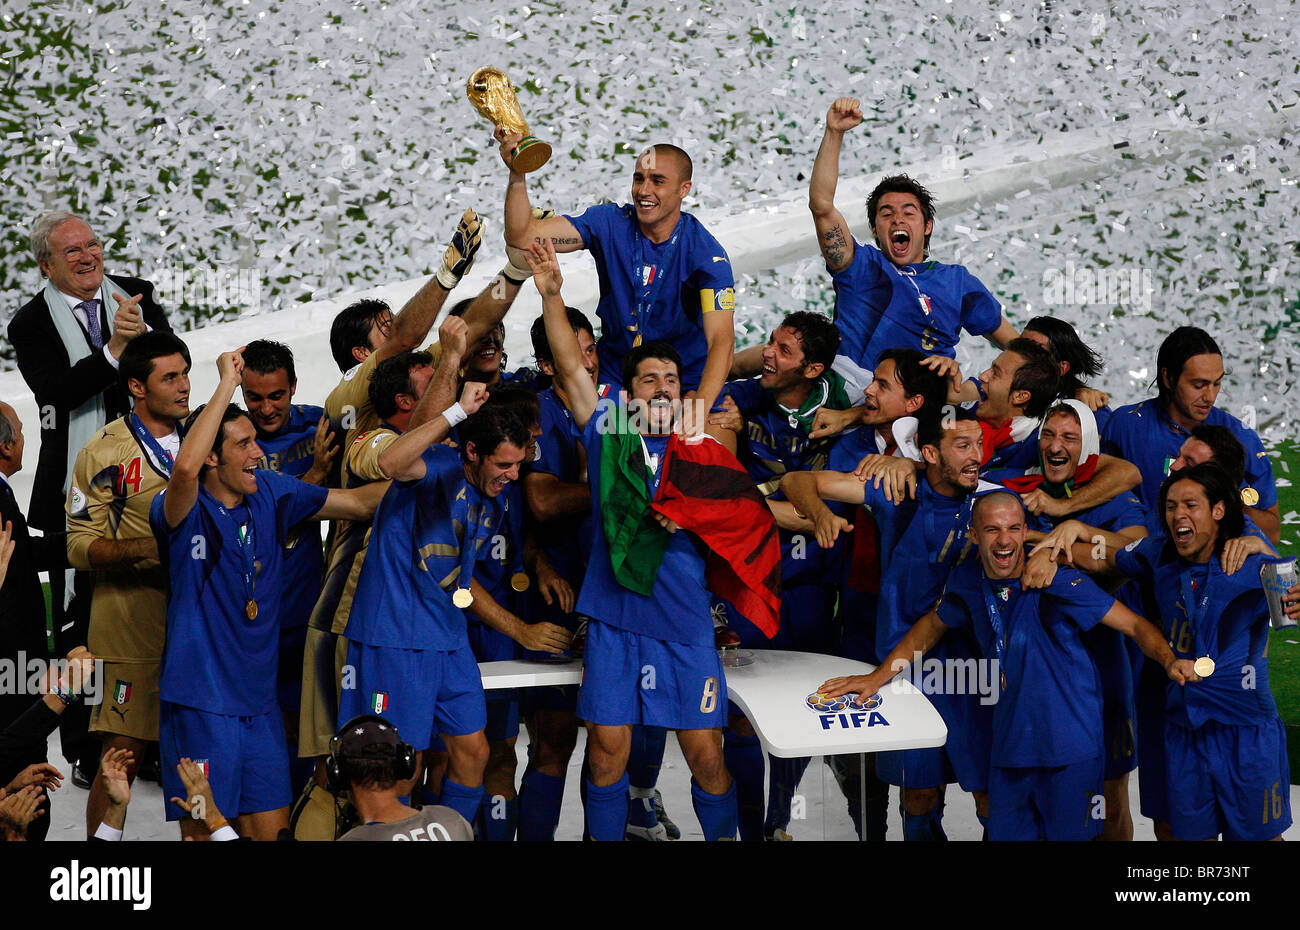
x=743 y=756
x=924 y=828
x=717 y=812
x=539 y=806
x=607 y=810
x=462 y=800
x=499 y=817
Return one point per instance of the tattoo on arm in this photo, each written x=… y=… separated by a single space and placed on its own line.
x=561 y=240
x=834 y=247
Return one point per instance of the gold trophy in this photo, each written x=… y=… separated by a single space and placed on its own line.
x=494 y=97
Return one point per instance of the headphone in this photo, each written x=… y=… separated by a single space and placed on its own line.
x=403 y=753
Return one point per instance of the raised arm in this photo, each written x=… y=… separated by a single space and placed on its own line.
x=453 y=343
x=411 y=326
x=569 y=370
x=833 y=234
x=403 y=460
x=522 y=227
x=183 y=485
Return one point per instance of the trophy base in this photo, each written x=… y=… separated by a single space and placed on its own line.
x=530 y=154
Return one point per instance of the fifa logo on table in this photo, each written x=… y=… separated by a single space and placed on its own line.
x=844 y=712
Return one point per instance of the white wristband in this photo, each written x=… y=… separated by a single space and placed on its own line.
x=454 y=414
x=108 y=834
x=514 y=274
x=224 y=834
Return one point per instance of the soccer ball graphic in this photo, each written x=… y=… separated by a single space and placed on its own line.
x=829 y=705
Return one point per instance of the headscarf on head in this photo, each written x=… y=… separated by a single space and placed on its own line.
x=1088 y=456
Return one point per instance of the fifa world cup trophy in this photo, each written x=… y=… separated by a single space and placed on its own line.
x=494 y=97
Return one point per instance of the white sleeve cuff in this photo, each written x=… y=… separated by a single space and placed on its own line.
x=109 y=355
x=224 y=834
x=105 y=832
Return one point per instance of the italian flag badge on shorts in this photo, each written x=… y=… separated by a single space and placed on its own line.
x=122 y=693
x=378 y=701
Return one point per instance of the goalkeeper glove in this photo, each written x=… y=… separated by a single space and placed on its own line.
x=459 y=257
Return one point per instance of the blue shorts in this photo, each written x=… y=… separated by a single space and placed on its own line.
x=420 y=691
x=1153 y=781
x=1060 y=802
x=628 y=678
x=246 y=758
x=1228 y=779
x=963 y=759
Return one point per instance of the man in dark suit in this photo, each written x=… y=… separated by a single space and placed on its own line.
x=22 y=604
x=67 y=340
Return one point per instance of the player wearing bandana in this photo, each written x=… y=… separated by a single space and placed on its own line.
x=1068 y=444
x=114 y=482
x=1227 y=771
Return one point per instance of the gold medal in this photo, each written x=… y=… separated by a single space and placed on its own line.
x=519 y=581
x=1249 y=497
x=637 y=341
x=462 y=598
x=1203 y=667
x=250 y=609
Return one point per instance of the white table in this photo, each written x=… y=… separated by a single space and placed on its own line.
x=772 y=692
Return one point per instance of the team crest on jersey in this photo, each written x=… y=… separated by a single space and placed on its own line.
x=203 y=764
x=378 y=701
x=122 y=693
x=1004 y=592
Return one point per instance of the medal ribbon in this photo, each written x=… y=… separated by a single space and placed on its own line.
x=160 y=455
x=469 y=545
x=648 y=292
x=1196 y=607
x=245 y=549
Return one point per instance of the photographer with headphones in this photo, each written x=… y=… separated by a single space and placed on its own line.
x=367 y=759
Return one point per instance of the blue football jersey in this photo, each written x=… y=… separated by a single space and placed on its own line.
x=652 y=291
x=216 y=658
x=925 y=306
